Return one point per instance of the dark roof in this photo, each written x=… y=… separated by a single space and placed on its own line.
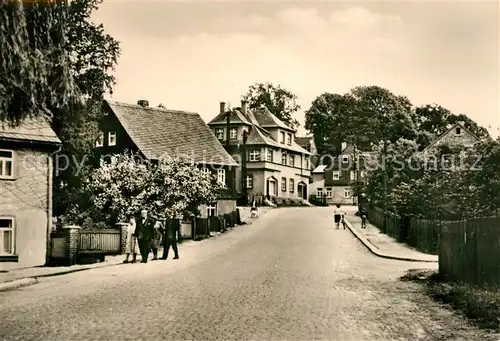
x=235 y=117
x=267 y=120
x=303 y=141
x=29 y=130
x=159 y=132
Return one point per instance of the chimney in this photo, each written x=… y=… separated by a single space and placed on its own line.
x=244 y=107
x=143 y=103
x=222 y=107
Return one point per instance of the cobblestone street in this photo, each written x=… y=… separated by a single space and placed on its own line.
x=288 y=276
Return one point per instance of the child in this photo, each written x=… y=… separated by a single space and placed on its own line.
x=337 y=214
x=253 y=210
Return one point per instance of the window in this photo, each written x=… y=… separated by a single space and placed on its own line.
x=289 y=141
x=112 y=138
x=292 y=185
x=306 y=163
x=282 y=137
x=458 y=131
x=283 y=184
x=347 y=193
x=283 y=159
x=345 y=158
x=255 y=155
x=270 y=155
x=6 y=236
x=212 y=210
x=291 y=159
x=336 y=175
x=221 y=176
x=249 y=181
x=219 y=133
x=320 y=192
x=353 y=175
x=328 y=192
x=233 y=133
x=206 y=171
x=6 y=164
x=100 y=140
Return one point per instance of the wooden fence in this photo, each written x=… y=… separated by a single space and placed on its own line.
x=421 y=234
x=469 y=251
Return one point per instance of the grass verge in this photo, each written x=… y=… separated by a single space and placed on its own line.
x=481 y=304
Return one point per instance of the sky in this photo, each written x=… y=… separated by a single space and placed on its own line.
x=192 y=55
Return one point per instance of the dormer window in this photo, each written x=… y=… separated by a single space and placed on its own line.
x=112 y=138
x=255 y=155
x=345 y=159
x=233 y=133
x=289 y=141
x=100 y=140
x=458 y=130
x=219 y=132
x=336 y=175
x=282 y=137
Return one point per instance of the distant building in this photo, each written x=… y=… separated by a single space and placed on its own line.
x=26 y=193
x=456 y=135
x=334 y=182
x=277 y=166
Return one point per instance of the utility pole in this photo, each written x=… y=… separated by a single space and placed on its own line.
x=244 y=167
x=384 y=169
x=228 y=148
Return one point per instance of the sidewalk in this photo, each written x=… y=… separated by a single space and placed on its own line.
x=28 y=276
x=383 y=245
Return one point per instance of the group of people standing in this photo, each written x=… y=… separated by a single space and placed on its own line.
x=147 y=234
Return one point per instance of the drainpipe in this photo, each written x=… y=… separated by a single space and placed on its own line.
x=228 y=145
x=49 y=204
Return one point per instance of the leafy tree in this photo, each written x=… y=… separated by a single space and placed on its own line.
x=35 y=66
x=379 y=115
x=327 y=119
x=281 y=102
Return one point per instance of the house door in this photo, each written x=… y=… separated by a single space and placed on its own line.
x=272 y=187
x=302 y=190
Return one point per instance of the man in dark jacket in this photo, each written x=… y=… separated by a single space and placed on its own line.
x=170 y=231
x=144 y=231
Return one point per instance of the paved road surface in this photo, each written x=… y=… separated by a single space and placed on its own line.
x=289 y=276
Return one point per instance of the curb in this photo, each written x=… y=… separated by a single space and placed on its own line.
x=17 y=283
x=374 y=250
x=27 y=281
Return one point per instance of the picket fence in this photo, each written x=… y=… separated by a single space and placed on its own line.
x=422 y=234
x=469 y=251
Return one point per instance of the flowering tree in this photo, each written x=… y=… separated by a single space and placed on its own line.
x=120 y=188
x=174 y=187
x=178 y=187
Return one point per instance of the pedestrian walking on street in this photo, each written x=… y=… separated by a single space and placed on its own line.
x=171 y=230
x=156 y=241
x=144 y=232
x=337 y=216
x=131 y=246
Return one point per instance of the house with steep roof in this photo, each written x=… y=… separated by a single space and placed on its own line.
x=26 y=193
x=334 y=181
x=276 y=165
x=307 y=142
x=159 y=132
x=457 y=134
